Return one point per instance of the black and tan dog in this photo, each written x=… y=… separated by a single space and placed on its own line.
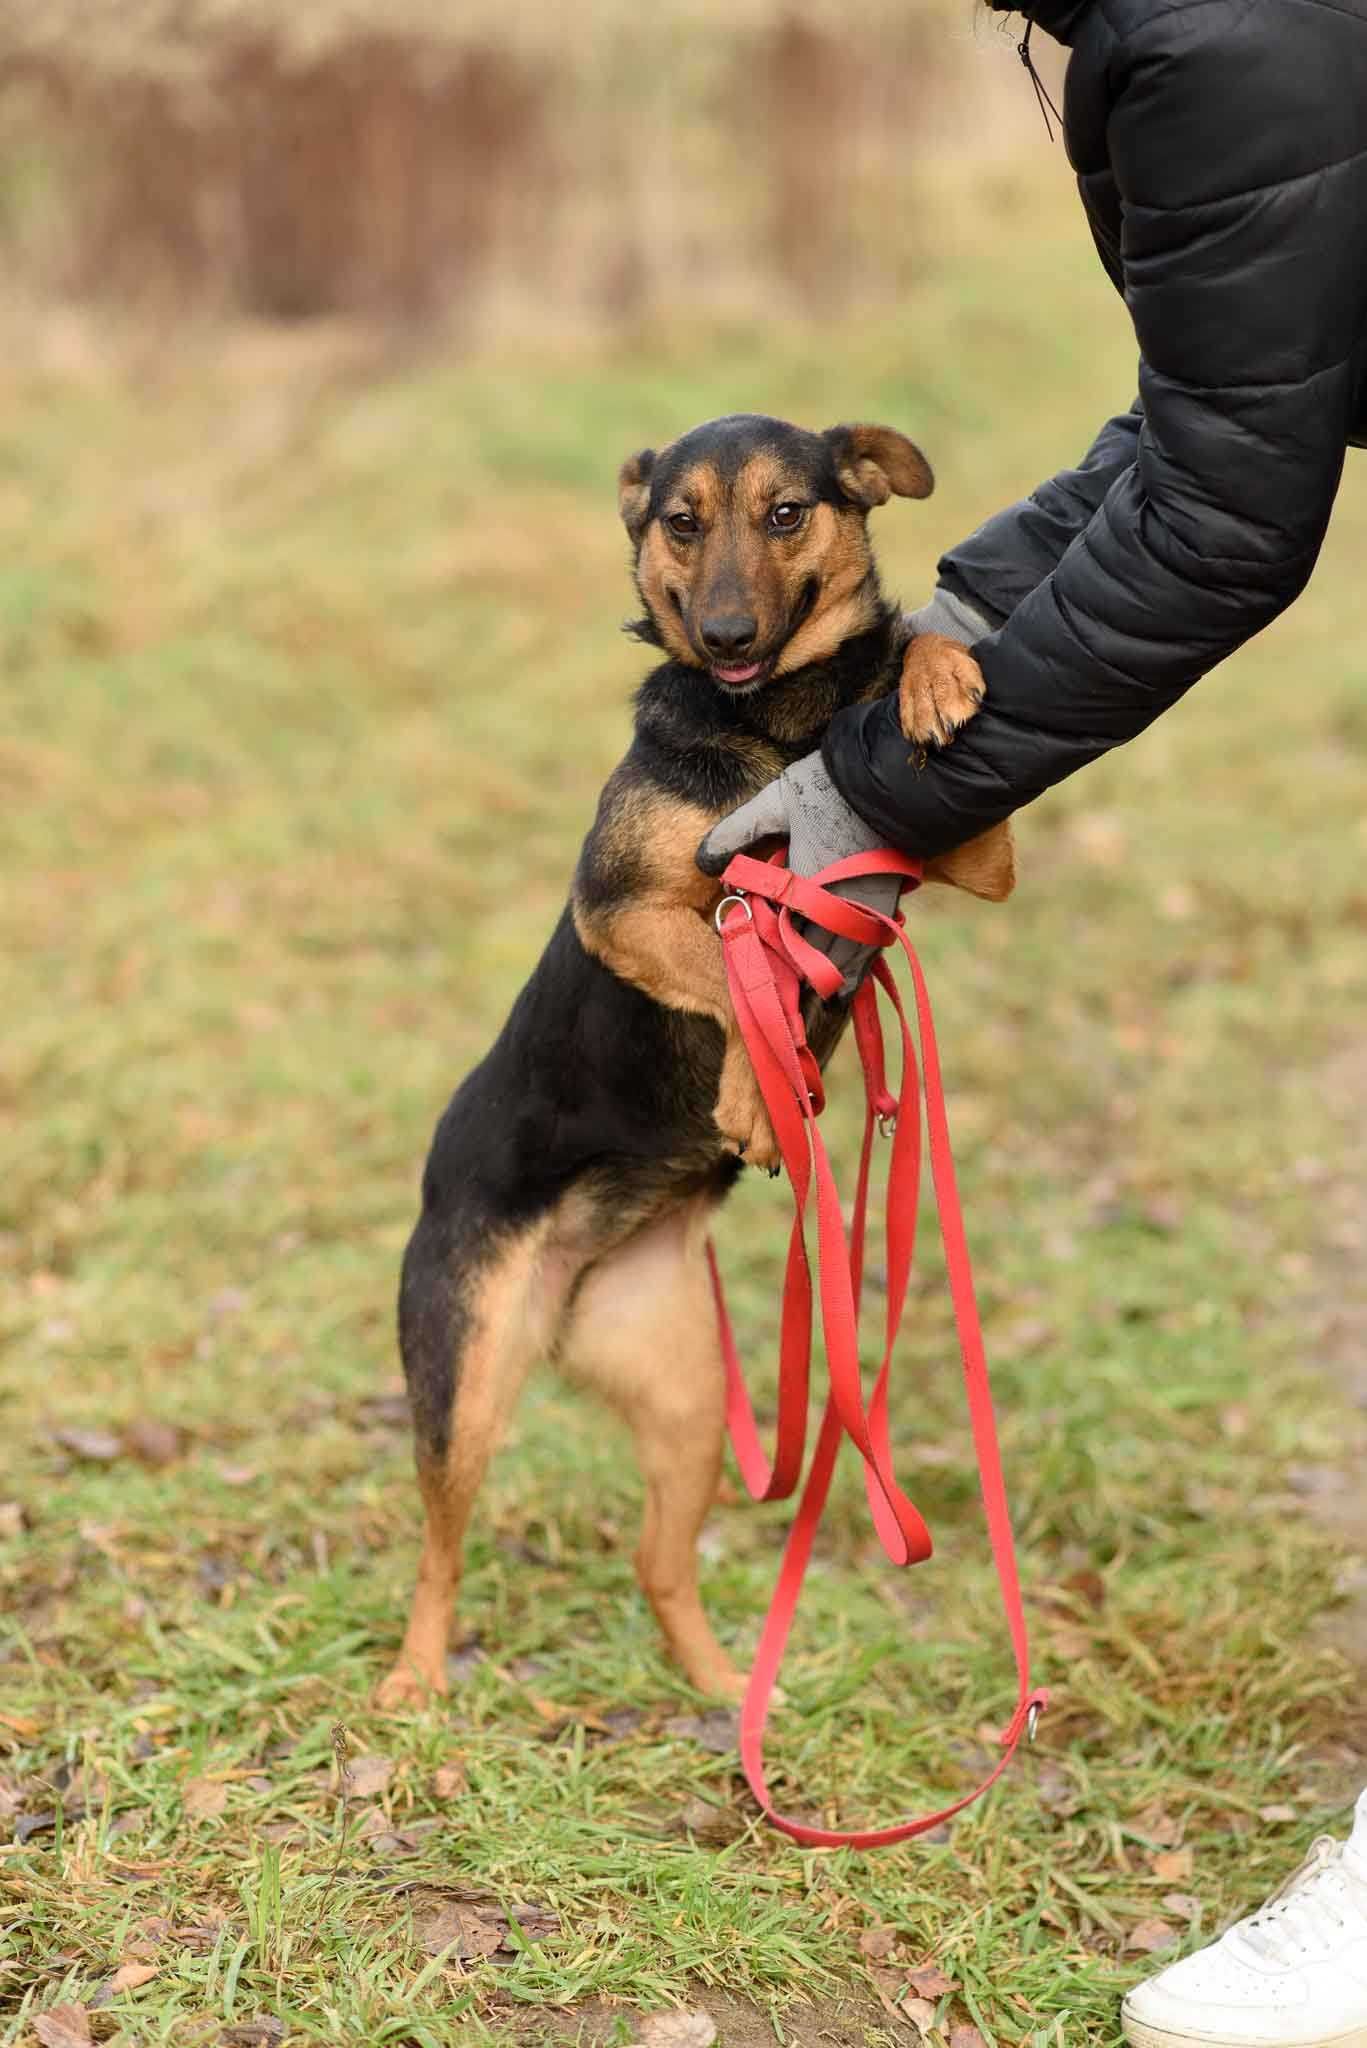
x=570 y=1182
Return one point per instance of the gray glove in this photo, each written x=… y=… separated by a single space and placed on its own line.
x=805 y=808
x=953 y=616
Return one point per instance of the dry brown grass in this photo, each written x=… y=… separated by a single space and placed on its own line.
x=486 y=166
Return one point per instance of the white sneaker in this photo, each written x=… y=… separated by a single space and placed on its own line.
x=1293 y=1976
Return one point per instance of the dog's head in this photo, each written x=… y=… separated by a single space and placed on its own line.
x=752 y=551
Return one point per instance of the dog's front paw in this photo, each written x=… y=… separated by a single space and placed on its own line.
x=740 y=1114
x=941 y=689
x=408 y=1689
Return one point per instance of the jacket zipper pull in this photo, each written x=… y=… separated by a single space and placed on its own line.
x=1046 y=105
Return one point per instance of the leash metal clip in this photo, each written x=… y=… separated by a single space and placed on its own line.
x=887 y=1125
x=1033 y=1713
x=734 y=897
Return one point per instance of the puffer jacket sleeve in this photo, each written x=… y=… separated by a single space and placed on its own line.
x=1239 y=145
x=1011 y=554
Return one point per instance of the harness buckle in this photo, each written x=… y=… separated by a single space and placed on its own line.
x=734 y=897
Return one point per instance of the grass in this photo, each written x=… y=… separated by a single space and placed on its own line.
x=310 y=678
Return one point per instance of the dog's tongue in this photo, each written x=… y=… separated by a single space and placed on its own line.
x=744 y=674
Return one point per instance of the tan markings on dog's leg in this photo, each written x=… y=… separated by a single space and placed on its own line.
x=677 y=959
x=940 y=690
x=985 y=866
x=671 y=954
x=643 y=1333
x=741 y=1114
x=512 y=1321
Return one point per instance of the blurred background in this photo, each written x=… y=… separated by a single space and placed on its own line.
x=323 y=332
x=482 y=166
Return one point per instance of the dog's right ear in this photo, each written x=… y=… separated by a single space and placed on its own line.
x=633 y=491
x=874 y=462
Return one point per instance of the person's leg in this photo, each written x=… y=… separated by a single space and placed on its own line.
x=1292 y=1976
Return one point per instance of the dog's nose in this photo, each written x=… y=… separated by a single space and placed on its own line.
x=729 y=634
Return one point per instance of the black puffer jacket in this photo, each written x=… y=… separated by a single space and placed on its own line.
x=1221 y=152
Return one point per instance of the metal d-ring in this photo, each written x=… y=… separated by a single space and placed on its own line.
x=732 y=898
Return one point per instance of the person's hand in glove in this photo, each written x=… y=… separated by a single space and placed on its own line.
x=941 y=688
x=804 y=807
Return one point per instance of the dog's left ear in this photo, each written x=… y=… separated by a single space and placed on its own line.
x=633 y=491
x=873 y=462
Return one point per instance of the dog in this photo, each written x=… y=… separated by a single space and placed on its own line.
x=571 y=1180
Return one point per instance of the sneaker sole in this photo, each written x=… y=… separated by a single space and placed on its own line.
x=1141 y=2035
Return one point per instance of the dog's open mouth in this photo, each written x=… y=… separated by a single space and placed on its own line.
x=736 y=677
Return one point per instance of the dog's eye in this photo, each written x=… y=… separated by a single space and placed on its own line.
x=682 y=524
x=787 y=518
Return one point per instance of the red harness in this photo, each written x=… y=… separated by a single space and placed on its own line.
x=768 y=962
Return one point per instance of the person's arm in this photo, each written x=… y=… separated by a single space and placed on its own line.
x=1246 y=275
x=1011 y=554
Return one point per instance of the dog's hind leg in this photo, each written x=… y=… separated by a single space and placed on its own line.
x=468 y=1338
x=643 y=1332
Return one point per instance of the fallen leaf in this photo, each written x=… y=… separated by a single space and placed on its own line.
x=708 y=1823
x=369 y=1776
x=128 y=1976
x=65 y=2026
x=1174 y=1866
x=718 y=1731
x=260 y=2033
x=467 y=1932
x=26 y=1825
x=203 y=1798
x=449 y=1780
x=1182 y=1904
x=97 y=1447
x=1055 y=1790
x=966 y=2037
x=622 y=1721
x=921 y=2013
x=1159 y=1828
x=198 y=1938
x=11 y=1520
x=931 y=1982
x=678 y=2030
x=392 y=1843
x=1150 y=1936
x=1278 y=1816
x=237 y=1475
x=536 y=1922
x=1089 y=1587
x=154 y=1442
x=878 y=1942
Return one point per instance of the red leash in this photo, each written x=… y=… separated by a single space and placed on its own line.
x=768 y=963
